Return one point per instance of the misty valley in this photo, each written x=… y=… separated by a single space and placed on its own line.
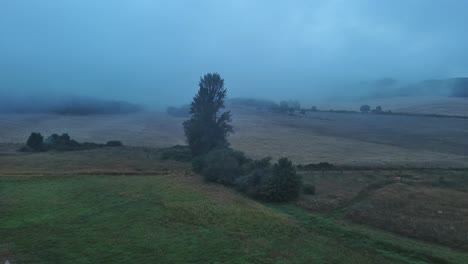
x=233 y=132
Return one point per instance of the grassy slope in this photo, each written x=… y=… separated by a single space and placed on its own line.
x=177 y=219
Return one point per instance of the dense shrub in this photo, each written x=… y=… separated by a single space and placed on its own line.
x=283 y=185
x=257 y=172
x=35 y=142
x=256 y=178
x=221 y=166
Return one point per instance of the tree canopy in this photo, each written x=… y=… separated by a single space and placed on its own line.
x=208 y=127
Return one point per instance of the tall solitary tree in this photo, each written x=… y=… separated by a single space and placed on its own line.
x=208 y=127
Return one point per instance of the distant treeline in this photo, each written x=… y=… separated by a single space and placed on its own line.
x=67 y=106
x=37 y=143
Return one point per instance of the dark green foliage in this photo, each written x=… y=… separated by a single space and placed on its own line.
x=313 y=109
x=283 y=185
x=35 y=142
x=365 y=108
x=62 y=143
x=251 y=183
x=208 y=127
x=256 y=178
x=114 y=143
x=221 y=166
x=179 y=153
x=308 y=189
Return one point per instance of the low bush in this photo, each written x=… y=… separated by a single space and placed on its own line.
x=256 y=172
x=283 y=185
x=258 y=179
x=221 y=166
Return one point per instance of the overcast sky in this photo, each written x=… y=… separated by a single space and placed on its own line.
x=155 y=51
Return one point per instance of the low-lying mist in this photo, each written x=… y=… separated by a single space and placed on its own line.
x=74 y=105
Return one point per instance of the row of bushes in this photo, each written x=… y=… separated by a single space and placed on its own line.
x=259 y=179
x=62 y=142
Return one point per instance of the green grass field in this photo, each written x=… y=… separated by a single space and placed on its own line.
x=177 y=218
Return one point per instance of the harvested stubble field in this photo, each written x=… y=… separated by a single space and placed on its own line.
x=345 y=139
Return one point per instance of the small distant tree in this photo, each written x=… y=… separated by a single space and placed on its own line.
x=313 y=109
x=377 y=110
x=365 y=108
x=35 y=141
x=208 y=127
x=284 y=184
